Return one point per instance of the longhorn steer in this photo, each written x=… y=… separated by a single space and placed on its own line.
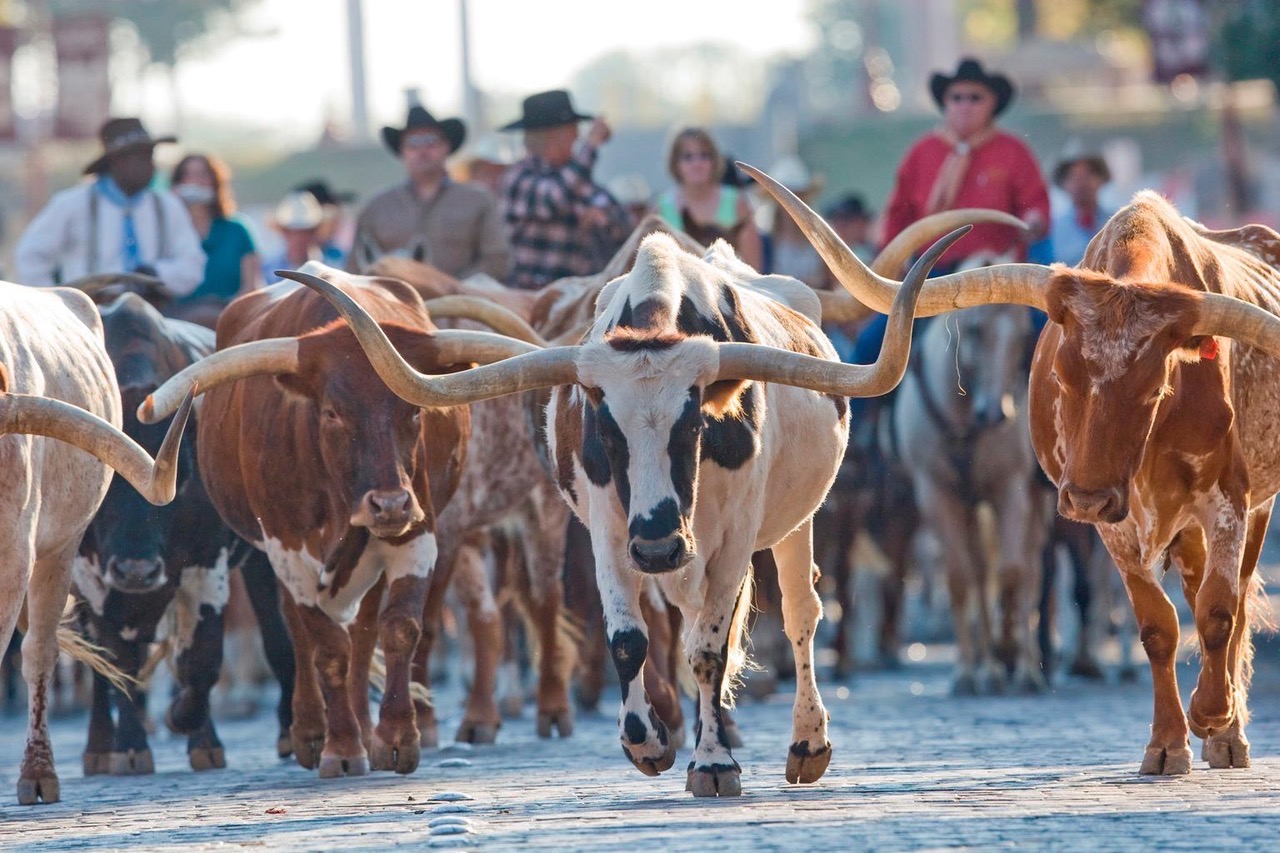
x=690 y=360
x=1154 y=431
x=137 y=560
x=51 y=347
x=313 y=460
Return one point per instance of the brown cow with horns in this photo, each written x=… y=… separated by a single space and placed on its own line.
x=1154 y=431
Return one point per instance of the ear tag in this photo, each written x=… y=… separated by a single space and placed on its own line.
x=1209 y=348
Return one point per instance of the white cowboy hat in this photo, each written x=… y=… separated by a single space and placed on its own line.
x=298 y=211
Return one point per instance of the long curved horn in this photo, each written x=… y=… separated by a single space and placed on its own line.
x=1228 y=317
x=769 y=364
x=922 y=232
x=1020 y=284
x=497 y=317
x=541 y=369
x=93 y=283
x=274 y=355
x=155 y=480
x=463 y=345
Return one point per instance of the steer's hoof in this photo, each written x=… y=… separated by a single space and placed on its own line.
x=476 y=731
x=1084 y=666
x=135 y=762
x=511 y=706
x=715 y=780
x=207 y=758
x=732 y=734
x=965 y=684
x=284 y=745
x=307 y=749
x=1228 y=749
x=428 y=736
x=1164 y=761
x=561 y=721
x=806 y=764
x=96 y=763
x=402 y=757
x=40 y=789
x=1029 y=682
x=334 y=766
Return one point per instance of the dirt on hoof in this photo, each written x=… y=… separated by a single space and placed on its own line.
x=471 y=731
x=561 y=721
x=44 y=789
x=214 y=758
x=1163 y=761
x=1228 y=749
x=335 y=766
x=717 y=780
x=132 y=763
x=805 y=765
x=96 y=763
x=402 y=757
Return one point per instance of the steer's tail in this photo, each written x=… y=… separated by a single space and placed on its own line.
x=736 y=660
x=1258 y=617
x=74 y=645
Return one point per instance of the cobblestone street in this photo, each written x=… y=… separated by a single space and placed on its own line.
x=913 y=768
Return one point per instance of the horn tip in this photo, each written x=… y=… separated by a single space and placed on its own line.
x=147 y=411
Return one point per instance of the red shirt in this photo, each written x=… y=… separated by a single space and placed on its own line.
x=1003 y=175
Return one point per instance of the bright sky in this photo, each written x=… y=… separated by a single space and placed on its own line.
x=300 y=70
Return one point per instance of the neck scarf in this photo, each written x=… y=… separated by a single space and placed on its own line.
x=951 y=175
x=110 y=190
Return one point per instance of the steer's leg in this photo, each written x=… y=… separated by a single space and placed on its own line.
x=715 y=639
x=662 y=660
x=481 y=718
x=801 y=611
x=1230 y=747
x=1217 y=606
x=102 y=729
x=1169 y=751
x=396 y=744
x=544 y=560
x=343 y=753
x=1021 y=534
x=200 y=601
x=264 y=595
x=951 y=521
x=49 y=584
x=364 y=638
x=306 y=734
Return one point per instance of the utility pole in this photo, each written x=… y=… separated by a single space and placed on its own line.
x=359 y=94
x=470 y=97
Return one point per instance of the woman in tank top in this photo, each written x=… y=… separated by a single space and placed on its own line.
x=699 y=204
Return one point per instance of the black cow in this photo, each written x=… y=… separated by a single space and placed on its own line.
x=148 y=572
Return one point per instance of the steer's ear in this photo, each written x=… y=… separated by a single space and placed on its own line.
x=1062 y=287
x=723 y=398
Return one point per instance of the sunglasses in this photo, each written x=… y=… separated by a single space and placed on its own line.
x=966 y=97
x=422 y=140
x=692 y=156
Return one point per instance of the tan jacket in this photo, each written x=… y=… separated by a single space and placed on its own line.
x=458 y=231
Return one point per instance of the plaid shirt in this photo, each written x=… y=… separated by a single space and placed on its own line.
x=542 y=207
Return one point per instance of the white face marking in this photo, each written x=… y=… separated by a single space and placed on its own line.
x=128 y=634
x=1109 y=356
x=88 y=580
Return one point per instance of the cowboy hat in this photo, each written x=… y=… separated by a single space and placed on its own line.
x=971 y=71
x=1096 y=163
x=419 y=119
x=123 y=134
x=298 y=211
x=325 y=194
x=547 y=109
x=793 y=174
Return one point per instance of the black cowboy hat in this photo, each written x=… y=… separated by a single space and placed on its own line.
x=123 y=134
x=971 y=71
x=1094 y=161
x=324 y=193
x=419 y=119
x=547 y=109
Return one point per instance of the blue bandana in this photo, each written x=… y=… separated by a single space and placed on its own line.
x=110 y=190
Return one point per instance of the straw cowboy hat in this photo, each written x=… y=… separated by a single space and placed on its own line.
x=123 y=134
x=298 y=211
x=419 y=119
x=971 y=71
x=547 y=109
x=793 y=174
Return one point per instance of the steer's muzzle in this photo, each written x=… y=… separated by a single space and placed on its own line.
x=387 y=512
x=1093 y=506
x=136 y=575
x=656 y=556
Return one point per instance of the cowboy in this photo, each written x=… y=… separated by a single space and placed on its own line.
x=114 y=223
x=332 y=230
x=1081 y=177
x=561 y=222
x=297 y=219
x=430 y=217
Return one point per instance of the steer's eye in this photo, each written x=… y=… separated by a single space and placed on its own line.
x=416 y=418
x=330 y=415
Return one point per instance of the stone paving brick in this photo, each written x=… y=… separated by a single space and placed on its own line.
x=910 y=772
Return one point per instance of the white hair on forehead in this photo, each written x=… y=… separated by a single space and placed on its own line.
x=1111 y=341
x=666 y=274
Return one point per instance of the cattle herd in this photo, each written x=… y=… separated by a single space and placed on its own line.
x=356 y=461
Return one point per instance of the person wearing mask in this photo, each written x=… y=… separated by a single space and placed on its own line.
x=452 y=225
x=115 y=222
x=700 y=204
x=560 y=221
x=232 y=266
